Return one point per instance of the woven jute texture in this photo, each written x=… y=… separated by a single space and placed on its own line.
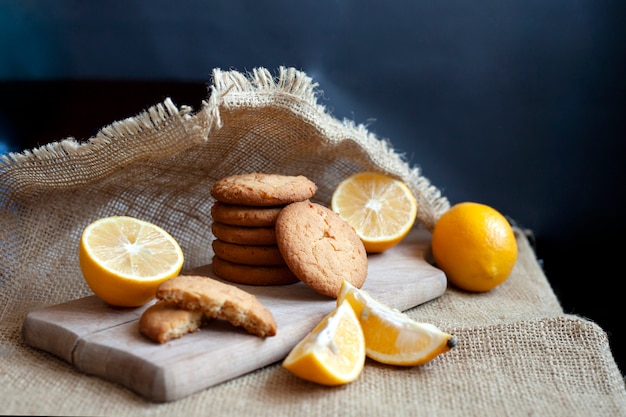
x=518 y=353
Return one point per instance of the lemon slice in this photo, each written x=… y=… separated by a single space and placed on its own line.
x=392 y=337
x=381 y=209
x=124 y=259
x=333 y=353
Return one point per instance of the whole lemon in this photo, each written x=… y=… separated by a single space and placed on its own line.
x=474 y=245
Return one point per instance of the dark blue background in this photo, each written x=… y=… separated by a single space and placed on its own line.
x=518 y=104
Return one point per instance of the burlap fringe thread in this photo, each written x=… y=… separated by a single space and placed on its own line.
x=291 y=90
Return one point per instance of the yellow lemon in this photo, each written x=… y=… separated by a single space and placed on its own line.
x=475 y=246
x=381 y=209
x=124 y=259
x=392 y=337
x=333 y=353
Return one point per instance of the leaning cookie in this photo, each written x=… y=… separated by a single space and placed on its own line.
x=219 y=300
x=320 y=247
x=260 y=189
x=164 y=321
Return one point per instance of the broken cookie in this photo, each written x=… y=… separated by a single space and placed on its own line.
x=219 y=300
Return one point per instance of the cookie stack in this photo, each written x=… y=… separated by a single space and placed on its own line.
x=244 y=219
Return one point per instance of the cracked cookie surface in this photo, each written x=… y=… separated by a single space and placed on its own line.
x=216 y=299
x=320 y=247
x=260 y=189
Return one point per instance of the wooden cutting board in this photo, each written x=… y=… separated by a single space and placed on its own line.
x=105 y=341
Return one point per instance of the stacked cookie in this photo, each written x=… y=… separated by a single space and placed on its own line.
x=244 y=215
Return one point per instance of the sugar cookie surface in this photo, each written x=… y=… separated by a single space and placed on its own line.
x=216 y=299
x=320 y=247
x=261 y=189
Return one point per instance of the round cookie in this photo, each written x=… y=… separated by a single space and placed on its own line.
x=253 y=274
x=242 y=235
x=238 y=215
x=320 y=247
x=260 y=189
x=248 y=254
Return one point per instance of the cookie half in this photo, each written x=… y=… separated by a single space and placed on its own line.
x=219 y=300
x=320 y=247
x=260 y=189
x=164 y=321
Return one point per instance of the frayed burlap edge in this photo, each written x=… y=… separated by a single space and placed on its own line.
x=291 y=90
x=294 y=90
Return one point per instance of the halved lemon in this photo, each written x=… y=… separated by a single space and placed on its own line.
x=124 y=259
x=333 y=353
x=392 y=337
x=381 y=209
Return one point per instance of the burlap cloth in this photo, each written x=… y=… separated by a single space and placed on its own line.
x=518 y=353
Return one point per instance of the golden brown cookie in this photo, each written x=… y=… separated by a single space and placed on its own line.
x=260 y=189
x=219 y=300
x=320 y=247
x=164 y=321
x=238 y=215
x=265 y=275
x=248 y=254
x=243 y=235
